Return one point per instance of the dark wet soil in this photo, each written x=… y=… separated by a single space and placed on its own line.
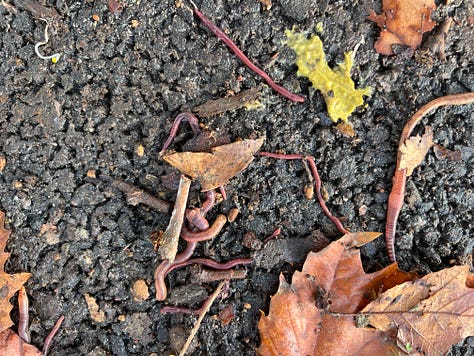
x=116 y=89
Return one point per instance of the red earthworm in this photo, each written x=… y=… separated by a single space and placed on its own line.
x=49 y=338
x=211 y=263
x=223 y=193
x=209 y=202
x=233 y=47
x=396 y=197
x=192 y=121
x=196 y=216
x=395 y=203
x=273 y=235
x=214 y=229
x=23 y=319
x=164 y=268
x=317 y=183
x=196 y=219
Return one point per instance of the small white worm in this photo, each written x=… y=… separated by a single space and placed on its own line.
x=54 y=57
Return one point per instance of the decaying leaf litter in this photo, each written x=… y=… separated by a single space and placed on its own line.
x=297 y=134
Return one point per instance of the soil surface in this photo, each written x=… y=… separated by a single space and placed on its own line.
x=107 y=106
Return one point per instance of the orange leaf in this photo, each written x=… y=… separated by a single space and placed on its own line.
x=314 y=316
x=12 y=345
x=402 y=22
x=9 y=283
x=431 y=313
x=215 y=169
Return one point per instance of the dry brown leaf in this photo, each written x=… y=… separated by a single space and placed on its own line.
x=442 y=152
x=414 y=150
x=402 y=22
x=215 y=169
x=9 y=283
x=314 y=316
x=431 y=313
x=12 y=345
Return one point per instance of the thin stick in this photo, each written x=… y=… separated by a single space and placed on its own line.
x=201 y=317
x=137 y=196
x=169 y=241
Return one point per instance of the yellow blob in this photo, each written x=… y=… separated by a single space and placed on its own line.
x=335 y=84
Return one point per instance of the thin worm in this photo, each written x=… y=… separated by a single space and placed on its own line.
x=164 y=268
x=233 y=47
x=211 y=263
x=209 y=202
x=214 y=229
x=396 y=197
x=24 y=318
x=49 y=338
x=317 y=183
x=54 y=57
x=192 y=121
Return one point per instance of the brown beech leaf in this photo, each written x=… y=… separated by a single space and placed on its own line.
x=402 y=22
x=414 y=150
x=431 y=313
x=12 y=345
x=215 y=169
x=315 y=314
x=9 y=283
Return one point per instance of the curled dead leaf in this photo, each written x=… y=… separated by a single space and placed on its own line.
x=431 y=313
x=414 y=150
x=402 y=22
x=215 y=169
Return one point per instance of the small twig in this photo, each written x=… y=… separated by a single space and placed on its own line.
x=137 y=196
x=209 y=275
x=206 y=308
x=54 y=57
x=8 y=6
x=218 y=106
x=168 y=244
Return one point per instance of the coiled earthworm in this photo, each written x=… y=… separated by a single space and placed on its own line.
x=233 y=47
x=192 y=121
x=54 y=57
x=396 y=197
x=214 y=229
x=317 y=183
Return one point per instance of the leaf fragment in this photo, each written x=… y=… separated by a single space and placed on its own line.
x=431 y=313
x=9 y=283
x=414 y=150
x=402 y=22
x=216 y=168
